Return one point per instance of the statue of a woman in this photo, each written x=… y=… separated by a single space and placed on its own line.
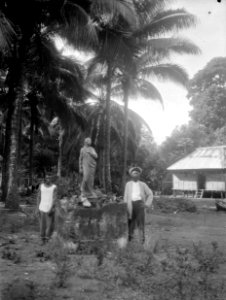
x=87 y=167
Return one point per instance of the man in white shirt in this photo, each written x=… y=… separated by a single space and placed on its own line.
x=46 y=202
x=137 y=195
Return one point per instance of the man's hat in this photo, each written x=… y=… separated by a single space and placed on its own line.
x=135 y=169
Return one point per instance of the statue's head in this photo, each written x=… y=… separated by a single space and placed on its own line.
x=88 y=141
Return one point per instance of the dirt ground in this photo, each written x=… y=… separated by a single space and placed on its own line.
x=22 y=257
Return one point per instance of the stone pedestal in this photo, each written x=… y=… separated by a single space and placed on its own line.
x=87 y=225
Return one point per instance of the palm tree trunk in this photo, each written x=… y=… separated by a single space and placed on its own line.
x=6 y=152
x=11 y=196
x=19 y=149
x=98 y=128
x=31 y=144
x=16 y=95
x=108 y=131
x=103 y=177
x=60 y=156
x=125 y=141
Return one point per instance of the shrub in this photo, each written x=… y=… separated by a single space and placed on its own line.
x=24 y=289
x=59 y=255
x=170 y=205
x=11 y=254
x=66 y=187
x=19 y=289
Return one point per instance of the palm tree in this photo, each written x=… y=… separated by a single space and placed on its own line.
x=17 y=28
x=75 y=20
x=151 y=50
x=127 y=55
x=33 y=101
x=111 y=53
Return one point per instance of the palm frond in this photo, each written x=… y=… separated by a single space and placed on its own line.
x=77 y=26
x=167 y=21
x=96 y=65
x=116 y=47
x=137 y=119
x=109 y=11
x=163 y=47
x=146 y=9
x=147 y=90
x=172 y=72
x=96 y=80
x=48 y=63
x=7 y=32
x=117 y=90
x=69 y=117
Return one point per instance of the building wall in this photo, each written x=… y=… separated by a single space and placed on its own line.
x=215 y=182
x=185 y=181
x=188 y=181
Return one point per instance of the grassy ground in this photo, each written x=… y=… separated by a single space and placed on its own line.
x=48 y=272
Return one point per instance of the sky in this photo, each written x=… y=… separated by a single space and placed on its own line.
x=210 y=36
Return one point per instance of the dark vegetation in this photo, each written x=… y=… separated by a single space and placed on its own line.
x=45 y=96
x=174 y=205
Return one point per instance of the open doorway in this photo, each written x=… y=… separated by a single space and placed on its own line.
x=201 y=181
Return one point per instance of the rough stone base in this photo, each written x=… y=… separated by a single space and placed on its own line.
x=93 y=225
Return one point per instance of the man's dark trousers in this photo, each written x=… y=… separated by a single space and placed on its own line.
x=137 y=220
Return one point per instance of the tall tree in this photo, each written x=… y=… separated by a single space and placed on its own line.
x=69 y=18
x=78 y=22
x=149 y=52
x=207 y=92
x=111 y=53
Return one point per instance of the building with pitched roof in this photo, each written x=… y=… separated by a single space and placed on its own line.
x=202 y=171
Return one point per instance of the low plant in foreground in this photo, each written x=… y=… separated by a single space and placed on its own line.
x=179 y=273
x=11 y=254
x=24 y=289
x=19 y=289
x=59 y=255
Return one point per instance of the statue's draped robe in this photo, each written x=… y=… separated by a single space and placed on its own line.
x=87 y=163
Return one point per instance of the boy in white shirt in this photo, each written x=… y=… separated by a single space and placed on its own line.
x=46 y=203
x=137 y=196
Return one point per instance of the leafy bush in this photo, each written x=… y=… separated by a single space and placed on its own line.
x=66 y=187
x=171 y=205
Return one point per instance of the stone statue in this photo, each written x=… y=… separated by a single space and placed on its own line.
x=87 y=168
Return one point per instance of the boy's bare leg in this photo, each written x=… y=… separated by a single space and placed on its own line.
x=43 y=226
x=50 y=218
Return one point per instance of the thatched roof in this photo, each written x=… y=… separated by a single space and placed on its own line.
x=205 y=158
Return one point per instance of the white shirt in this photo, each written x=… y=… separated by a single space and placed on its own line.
x=136 y=194
x=46 y=202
